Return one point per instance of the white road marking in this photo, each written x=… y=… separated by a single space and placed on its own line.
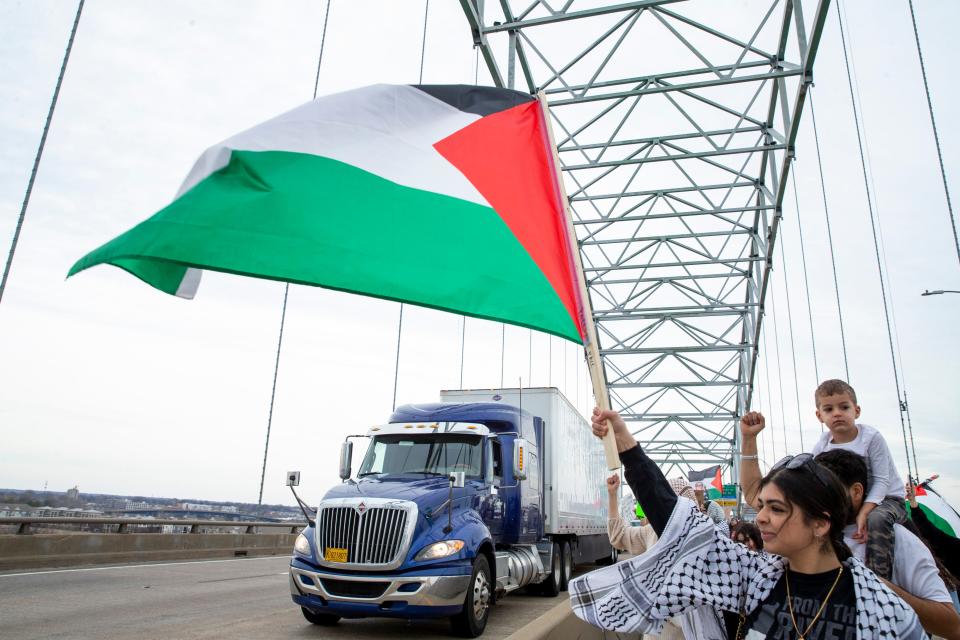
x=134 y=566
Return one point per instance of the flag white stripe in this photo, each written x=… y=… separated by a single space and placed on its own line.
x=941 y=507
x=388 y=130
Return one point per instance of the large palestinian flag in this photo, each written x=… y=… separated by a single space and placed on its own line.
x=441 y=196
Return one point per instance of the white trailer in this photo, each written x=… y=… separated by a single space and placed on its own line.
x=575 y=469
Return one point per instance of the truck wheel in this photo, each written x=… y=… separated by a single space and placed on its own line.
x=566 y=562
x=472 y=620
x=551 y=586
x=322 y=619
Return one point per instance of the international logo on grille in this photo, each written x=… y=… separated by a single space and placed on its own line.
x=361 y=508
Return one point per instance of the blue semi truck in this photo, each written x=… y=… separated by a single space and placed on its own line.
x=456 y=504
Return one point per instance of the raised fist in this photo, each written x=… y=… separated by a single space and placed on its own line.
x=613 y=483
x=752 y=423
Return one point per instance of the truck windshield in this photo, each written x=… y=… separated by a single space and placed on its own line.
x=428 y=454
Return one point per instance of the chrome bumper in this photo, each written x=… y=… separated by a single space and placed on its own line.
x=428 y=591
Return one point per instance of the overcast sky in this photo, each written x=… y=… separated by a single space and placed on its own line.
x=107 y=384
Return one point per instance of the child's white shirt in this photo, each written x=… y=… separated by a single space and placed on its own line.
x=884 y=480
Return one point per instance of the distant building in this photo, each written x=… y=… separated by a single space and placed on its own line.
x=73 y=494
x=15 y=510
x=63 y=512
x=197 y=506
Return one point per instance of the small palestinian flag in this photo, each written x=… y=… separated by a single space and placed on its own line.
x=938 y=511
x=713 y=475
x=441 y=196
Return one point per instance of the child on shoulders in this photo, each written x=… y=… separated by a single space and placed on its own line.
x=883 y=506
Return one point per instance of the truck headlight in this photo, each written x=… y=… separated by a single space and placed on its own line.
x=302 y=546
x=440 y=549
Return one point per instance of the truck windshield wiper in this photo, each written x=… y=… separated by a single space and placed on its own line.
x=369 y=473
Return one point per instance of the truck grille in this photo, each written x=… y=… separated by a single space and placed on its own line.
x=371 y=535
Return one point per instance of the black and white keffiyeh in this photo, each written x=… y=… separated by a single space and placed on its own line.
x=694 y=571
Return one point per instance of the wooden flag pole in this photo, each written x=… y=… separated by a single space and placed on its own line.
x=590 y=347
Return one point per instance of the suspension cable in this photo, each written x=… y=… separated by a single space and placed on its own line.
x=826 y=213
x=766 y=373
x=761 y=441
x=904 y=405
x=476 y=75
x=286 y=288
x=806 y=280
x=423 y=46
x=576 y=376
x=463 y=341
x=776 y=344
x=876 y=246
x=549 y=359
x=793 y=349
x=503 y=349
x=936 y=133
x=273 y=393
x=396 y=366
x=36 y=159
x=396 y=363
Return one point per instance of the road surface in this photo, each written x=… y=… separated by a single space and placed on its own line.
x=241 y=598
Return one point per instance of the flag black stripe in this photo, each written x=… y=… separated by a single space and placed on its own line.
x=479 y=100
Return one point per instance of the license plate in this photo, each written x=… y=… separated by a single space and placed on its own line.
x=335 y=555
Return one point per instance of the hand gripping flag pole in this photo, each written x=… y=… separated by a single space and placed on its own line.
x=590 y=345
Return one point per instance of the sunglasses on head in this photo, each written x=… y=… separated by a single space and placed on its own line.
x=803 y=461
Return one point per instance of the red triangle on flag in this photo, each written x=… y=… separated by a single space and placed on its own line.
x=717 y=481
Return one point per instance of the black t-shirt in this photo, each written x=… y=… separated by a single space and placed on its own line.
x=772 y=618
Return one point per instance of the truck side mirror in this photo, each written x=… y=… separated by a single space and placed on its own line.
x=519 y=459
x=346 y=457
x=458 y=479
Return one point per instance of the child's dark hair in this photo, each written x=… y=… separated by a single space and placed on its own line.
x=819 y=494
x=833 y=388
x=744 y=529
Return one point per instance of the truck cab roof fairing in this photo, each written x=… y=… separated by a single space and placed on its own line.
x=472 y=412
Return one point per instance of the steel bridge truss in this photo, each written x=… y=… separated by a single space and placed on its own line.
x=675 y=125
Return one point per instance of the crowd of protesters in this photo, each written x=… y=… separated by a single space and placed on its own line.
x=833 y=552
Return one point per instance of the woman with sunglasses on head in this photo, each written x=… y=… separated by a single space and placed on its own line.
x=806 y=586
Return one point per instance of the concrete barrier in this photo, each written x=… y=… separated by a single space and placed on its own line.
x=46 y=550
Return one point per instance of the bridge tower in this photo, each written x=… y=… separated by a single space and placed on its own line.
x=675 y=124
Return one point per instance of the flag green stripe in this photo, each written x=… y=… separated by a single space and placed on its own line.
x=937 y=521
x=313 y=220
